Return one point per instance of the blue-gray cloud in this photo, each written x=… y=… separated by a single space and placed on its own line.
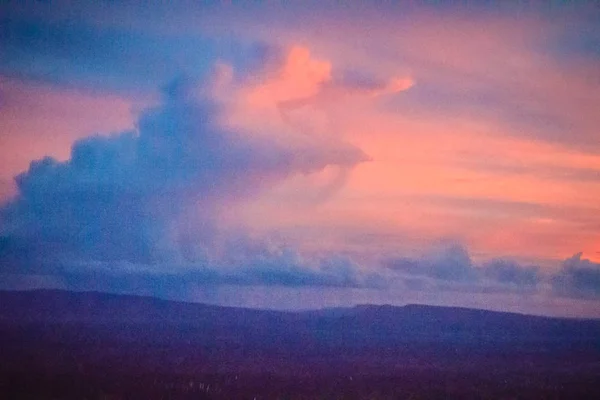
x=251 y=264
x=74 y=53
x=450 y=264
x=280 y=268
x=578 y=277
x=151 y=196
x=511 y=273
x=451 y=268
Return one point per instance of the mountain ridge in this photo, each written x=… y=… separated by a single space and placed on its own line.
x=363 y=307
x=62 y=330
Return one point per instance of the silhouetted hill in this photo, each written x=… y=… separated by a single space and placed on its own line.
x=363 y=325
x=66 y=306
x=143 y=347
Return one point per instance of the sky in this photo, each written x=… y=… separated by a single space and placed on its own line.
x=304 y=154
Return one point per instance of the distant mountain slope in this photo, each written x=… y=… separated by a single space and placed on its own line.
x=101 y=328
x=59 y=305
x=83 y=345
x=410 y=321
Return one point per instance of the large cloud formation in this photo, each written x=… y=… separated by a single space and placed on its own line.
x=152 y=196
x=140 y=209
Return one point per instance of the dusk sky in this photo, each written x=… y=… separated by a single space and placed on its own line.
x=305 y=154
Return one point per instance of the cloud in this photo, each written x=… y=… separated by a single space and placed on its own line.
x=578 y=277
x=451 y=263
x=246 y=263
x=265 y=266
x=79 y=54
x=286 y=267
x=451 y=268
x=461 y=56
x=333 y=87
x=153 y=195
x=510 y=273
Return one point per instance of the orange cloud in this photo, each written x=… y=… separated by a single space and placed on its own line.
x=471 y=176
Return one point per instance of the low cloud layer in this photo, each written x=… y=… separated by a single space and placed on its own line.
x=451 y=268
x=450 y=264
x=578 y=277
